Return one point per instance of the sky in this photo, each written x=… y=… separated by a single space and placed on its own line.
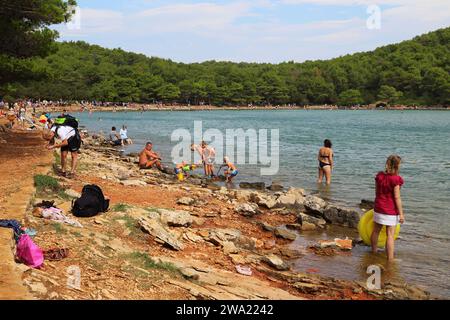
x=252 y=30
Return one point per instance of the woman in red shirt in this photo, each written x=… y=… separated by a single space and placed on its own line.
x=388 y=204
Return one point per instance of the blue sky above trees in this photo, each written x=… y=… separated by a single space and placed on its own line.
x=252 y=30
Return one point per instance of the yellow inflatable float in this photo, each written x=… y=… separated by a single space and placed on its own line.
x=365 y=228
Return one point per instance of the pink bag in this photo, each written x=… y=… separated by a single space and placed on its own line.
x=28 y=252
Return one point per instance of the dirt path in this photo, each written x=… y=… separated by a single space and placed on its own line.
x=21 y=157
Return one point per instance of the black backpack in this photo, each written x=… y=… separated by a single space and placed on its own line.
x=67 y=120
x=91 y=202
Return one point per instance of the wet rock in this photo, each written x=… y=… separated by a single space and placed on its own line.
x=327 y=244
x=306 y=226
x=247 y=209
x=186 y=201
x=285 y=234
x=157 y=230
x=294 y=197
x=302 y=218
x=267 y=227
x=367 y=204
x=263 y=200
x=343 y=217
x=290 y=253
x=133 y=183
x=294 y=226
x=275 y=187
x=344 y=244
x=252 y=185
x=275 y=262
x=314 y=205
x=176 y=218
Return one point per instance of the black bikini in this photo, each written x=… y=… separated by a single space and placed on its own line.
x=323 y=164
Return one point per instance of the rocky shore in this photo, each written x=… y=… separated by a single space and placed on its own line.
x=165 y=239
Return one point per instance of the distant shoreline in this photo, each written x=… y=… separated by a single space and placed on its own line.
x=146 y=108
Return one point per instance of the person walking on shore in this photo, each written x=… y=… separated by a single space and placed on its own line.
x=70 y=142
x=388 y=209
x=326 y=162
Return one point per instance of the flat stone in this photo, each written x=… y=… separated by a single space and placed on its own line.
x=72 y=193
x=186 y=201
x=301 y=218
x=252 y=185
x=285 y=234
x=176 y=218
x=157 y=230
x=133 y=183
x=246 y=209
x=275 y=262
x=229 y=248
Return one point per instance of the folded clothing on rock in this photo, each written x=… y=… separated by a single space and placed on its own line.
x=56 y=214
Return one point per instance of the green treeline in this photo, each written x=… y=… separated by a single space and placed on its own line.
x=415 y=72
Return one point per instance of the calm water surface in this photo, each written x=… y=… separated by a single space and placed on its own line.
x=362 y=141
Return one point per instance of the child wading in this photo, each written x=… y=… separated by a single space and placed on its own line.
x=388 y=204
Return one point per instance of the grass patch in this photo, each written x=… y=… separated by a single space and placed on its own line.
x=42 y=182
x=64 y=196
x=131 y=224
x=120 y=207
x=146 y=262
x=152 y=209
x=57 y=157
x=77 y=234
x=59 y=229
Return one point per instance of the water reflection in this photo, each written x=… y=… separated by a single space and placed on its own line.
x=390 y=270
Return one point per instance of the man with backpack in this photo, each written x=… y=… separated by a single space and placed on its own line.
x=66 y=130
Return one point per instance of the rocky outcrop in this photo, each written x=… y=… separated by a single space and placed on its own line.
x=340 y=216
x=275 y=262
x=186 y=201
x=285 y=234
x=176 y=218
x=247 y=209
x=157 y=230
x=314 y=205
x=252 y=185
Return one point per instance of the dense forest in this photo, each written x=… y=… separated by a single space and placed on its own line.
x=414 y=72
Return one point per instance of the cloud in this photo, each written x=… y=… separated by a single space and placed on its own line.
x=227 y=30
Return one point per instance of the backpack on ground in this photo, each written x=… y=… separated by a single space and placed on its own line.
x=91 y=202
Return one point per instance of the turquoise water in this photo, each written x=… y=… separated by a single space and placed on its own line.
x=362 y=141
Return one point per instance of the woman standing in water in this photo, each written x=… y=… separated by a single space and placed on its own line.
x=388 y=204
x=325 y=158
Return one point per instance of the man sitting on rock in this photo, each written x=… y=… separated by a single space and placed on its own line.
x=149 y=158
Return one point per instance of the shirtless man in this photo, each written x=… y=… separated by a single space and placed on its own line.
x=149 y=158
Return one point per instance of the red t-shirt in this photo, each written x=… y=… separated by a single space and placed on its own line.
x=385 y=201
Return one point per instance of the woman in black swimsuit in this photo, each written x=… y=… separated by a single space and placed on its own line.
x=325 y=158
